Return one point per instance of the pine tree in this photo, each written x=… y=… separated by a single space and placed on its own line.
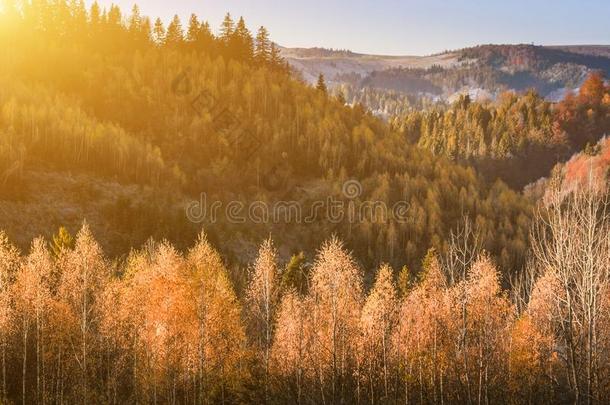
x=175 y=34
x=159 y=32
x=295 y=275
x=321 y=85
x=274 y=56
x=78 y=14
x=226 y=29
x=62 y=241
x=404 y=281
x=95 y=15
x=194 y=29
x=146 y=30
x=241 y=41
x=135 y=21
x=262 y=53
x=115 y=17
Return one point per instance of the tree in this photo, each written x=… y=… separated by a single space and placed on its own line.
x=262 y=52
x=240 y=43
x=31 y=294
x=95 y=16
x=321 y=85
x=295 y=275
x=175 y=34
x=135 y=21
x=145 y=33
x=377 y=323
x=159 y=32
x=62 y=242
x=226 y=29
x=571 y=245
x=10 y=261
x=261 y=298
x=418 y=336
x=485 y=344
x=404 y=281
x=336 y=293
x=274 y=56
x=291 y=362
x=592 y=90
x=84 y=273
x=194 y=29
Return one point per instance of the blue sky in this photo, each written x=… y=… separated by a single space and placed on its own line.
x=404 y=27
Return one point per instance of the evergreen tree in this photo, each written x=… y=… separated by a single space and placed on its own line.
x=175 y=34
x=135 y=21
x=146 y=30
x=242 y=43
x=262 y=52
x=194 y=29
x=226 y=29
x=295 y=274
x=159 y=32
x=404 y=281
x=95 y=15
x=62 y=241
x=321 y=85
x=274 y=56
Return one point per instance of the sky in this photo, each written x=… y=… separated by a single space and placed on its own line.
x=393 y=27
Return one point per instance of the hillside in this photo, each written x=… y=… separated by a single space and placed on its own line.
x=194 y=116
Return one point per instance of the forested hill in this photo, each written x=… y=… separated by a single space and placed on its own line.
x=482 y=71
x=114 y=118
x=519 y=137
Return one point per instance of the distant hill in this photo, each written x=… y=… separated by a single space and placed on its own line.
x=481 y=70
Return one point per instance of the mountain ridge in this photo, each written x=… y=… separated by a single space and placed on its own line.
x=488 y=69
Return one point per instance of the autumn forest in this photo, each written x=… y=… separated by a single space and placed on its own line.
x=492 y=286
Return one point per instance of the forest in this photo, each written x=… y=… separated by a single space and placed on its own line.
x=496 y=290
x=518 y=138
x=129 y=121
x=161 y=326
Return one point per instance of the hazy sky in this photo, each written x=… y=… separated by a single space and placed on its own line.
x=402 y=27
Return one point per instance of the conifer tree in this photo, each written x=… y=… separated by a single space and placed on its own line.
x=135 y=21
x=295 y=274
x=194 y=29
x=62 y=242
x=159 y=32
x=262 y=52
x=175 y=34
x=321 y=84
x=241 y=41
x=274 y=56
x=226 y=29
